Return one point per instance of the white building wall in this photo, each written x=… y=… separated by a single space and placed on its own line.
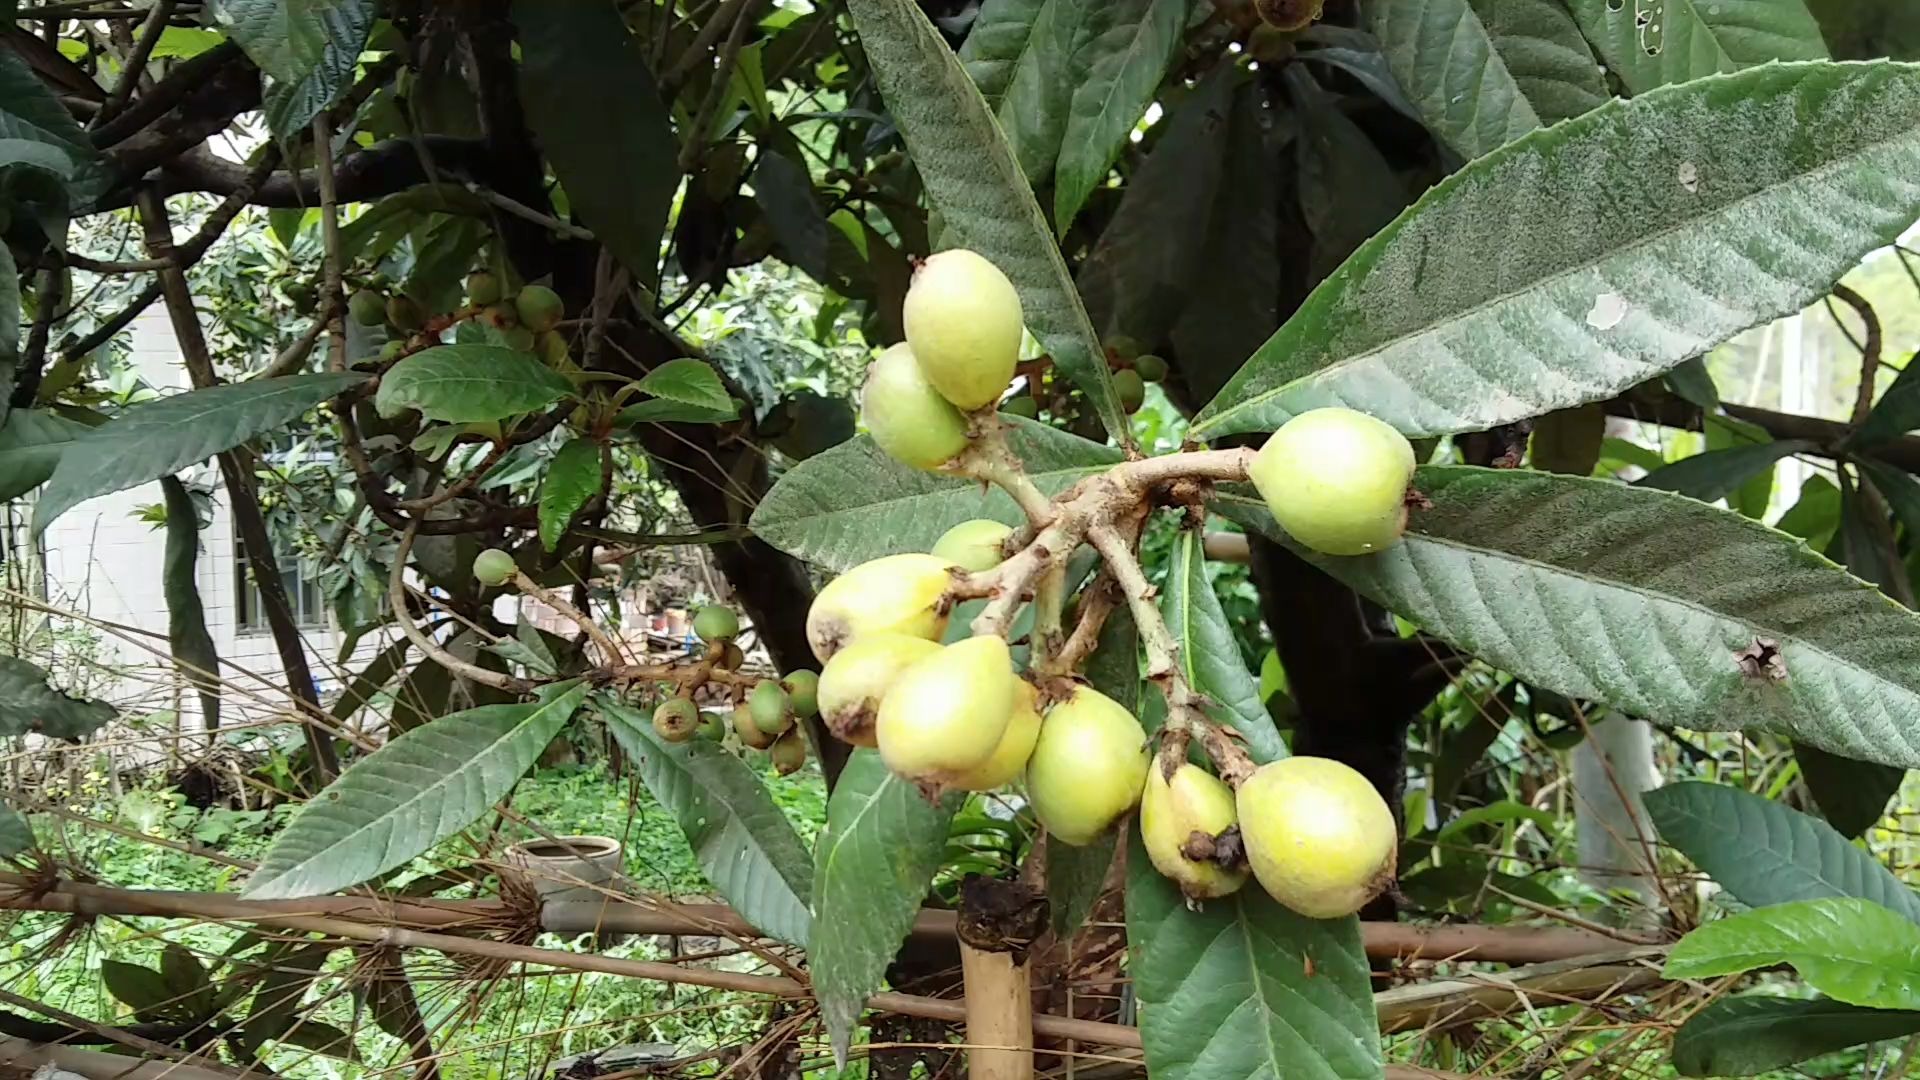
x=103 y=562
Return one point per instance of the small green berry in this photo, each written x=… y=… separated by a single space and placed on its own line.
x=391 y=351
x=1150 y=367
x=803 y=692
x=405 y=313
x=714 y=622
x=539 y=307
x=788 y=753
x=494 y=567
x=1132 y=391
x=731 y=658
x=518 y=338
x=483 y=287
x=367 y=307
x=713 y=727
x=676 y=720
x=750 y=734
x=770 y=707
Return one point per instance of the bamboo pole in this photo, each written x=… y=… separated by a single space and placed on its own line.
x=1496 y=944
x=999 y=1015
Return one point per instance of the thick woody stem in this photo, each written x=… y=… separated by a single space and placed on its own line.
x=610 y=652
x=989 y=459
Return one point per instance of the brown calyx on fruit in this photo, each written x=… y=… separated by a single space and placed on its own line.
x=1288 y=14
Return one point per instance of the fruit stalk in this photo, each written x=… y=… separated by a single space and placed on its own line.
x=1185 y=719
x=609 y=649
x=989 y=459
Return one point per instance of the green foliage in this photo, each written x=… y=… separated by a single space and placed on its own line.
x=853 y=503
x=1764 y=853
x=29 y=704
x=1851 y=950
x=162 y=437
x=1711 y=581
x=1696 y=38
x=1744 y=1036
x=618 y=165
x=872 y=866
x=1244 y=987
x=975 y=184
x=463 y=384
x=410 y=794
x=573 y=479
x=16 y=835
x=31 y=442
x=1209 y=656
x=1591 y=302
x=741 y=840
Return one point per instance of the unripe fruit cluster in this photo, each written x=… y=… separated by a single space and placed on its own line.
x=767 y=717
x=528 y=320
x=963 y=328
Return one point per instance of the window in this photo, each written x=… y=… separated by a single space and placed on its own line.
x=303 y=593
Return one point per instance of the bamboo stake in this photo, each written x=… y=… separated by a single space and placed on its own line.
x=999 y=1015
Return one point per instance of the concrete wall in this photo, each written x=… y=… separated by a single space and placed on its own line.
x=102 y=561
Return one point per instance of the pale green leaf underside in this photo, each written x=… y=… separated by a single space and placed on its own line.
x=1766 y=853
x=1244 y=989
x=978 y=188
x=410 y=794
x=744 y=844
x=1851 y=950
x=162 y=437
x=1641 y=599
x=466 y=384
x=1587 y=257
x=873 y=864
x=1650 y=43
x=853 y=503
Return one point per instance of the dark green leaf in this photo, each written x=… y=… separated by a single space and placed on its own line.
x=1114 y=667
x=1234 y=299
x=1499 y=813
x=688 y=382
x=1852 y=795
x=276 y=1002
x=305 y=76
x=410 y=794
x=1765 y=853
x=1074 y=877
x=853 y=503
x=1693 y=382
x=1209 y=655
x=1647 y=601
x=31 y=442
x=1714 y=475
x=1896 y=413
x=186 y=979
x=1485 y=72
x=1851 y=950
x=162 y=437
x=1744 y=1036
x=743 y=843
x=187 y=636
x=1348 y=191
x=1614 y=282
x=28 y=704
x=1121 y=51
x=38 y=133
x=1243 y=988
x=1140 y=273
x=976 y=186
x=16 y=836
x=464 y=384
x=1569 y=441
x=573 y=479
x=9 y=326
x=140 y=988
x=666 y=411
x=368 y=683
x=1816 y=516
x=873 y=864
x=1689 y=39
x=784 y=191
x=591 y=99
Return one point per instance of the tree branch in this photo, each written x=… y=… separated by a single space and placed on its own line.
x=134 y=69
x=235 y=470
